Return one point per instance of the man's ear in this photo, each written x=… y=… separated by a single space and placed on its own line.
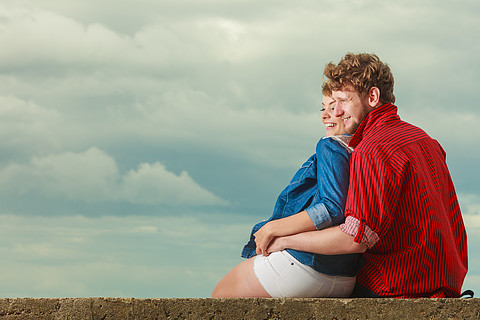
x=373 y=97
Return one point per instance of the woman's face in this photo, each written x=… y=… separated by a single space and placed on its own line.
x=334 y=125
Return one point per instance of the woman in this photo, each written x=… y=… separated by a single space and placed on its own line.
x=314 y=200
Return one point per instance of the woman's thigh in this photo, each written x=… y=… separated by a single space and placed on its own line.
x=240 y=282
x=281 y=276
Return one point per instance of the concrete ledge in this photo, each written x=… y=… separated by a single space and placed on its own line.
x=120 y=308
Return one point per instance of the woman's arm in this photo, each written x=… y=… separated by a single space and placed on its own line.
x=333 y=169
x=333 y=173
x=294 y=224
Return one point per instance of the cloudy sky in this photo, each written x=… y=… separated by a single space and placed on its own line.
x=140 y=140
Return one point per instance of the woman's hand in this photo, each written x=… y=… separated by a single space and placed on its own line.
x=290 y=225
x=277 y=244
x=264 y=236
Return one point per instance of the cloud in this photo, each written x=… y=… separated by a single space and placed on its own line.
x=24 y=125
x=64 y=46
x=133 y=256
x=57 y=40
x=255 y=135
x=153 y=184
x=439 y=124
x=74 y=256
x=154 y=85
x=470 y=205
x=93 y=176
x=238 y=72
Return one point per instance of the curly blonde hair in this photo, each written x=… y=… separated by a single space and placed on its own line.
x=363 y=71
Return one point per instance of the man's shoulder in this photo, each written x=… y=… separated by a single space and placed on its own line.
x=388 y=138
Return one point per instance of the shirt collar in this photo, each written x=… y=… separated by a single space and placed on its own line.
x=373 y=120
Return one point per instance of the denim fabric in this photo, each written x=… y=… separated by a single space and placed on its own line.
x=320 y=187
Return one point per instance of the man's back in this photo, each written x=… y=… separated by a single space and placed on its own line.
x=403 y=204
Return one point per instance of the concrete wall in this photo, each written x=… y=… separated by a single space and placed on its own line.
x=119 y=308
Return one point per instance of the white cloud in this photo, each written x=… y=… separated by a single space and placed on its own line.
x=129 y=256
x=470 y=205
x=251 y=81
x=56 y=39
x=87 y=176
x=145 y=229
x=34 y=38
x=93 y=176
x=133 y=256
x=277 y=137
x=174 y=71
x=24 y=124
x=444 y=124
x=153 y=184
x=14 y=111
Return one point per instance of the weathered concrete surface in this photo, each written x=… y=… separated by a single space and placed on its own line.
x=120 y=308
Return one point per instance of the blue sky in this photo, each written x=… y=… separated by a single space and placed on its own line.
x=141 y=140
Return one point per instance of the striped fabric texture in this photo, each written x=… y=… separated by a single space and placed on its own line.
x=402 y=204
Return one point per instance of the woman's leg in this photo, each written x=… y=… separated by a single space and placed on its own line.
x=240 y=282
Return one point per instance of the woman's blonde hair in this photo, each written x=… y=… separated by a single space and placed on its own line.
x=363 y=71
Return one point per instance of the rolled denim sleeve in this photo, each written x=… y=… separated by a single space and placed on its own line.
x=333 y=170
x=320 y=216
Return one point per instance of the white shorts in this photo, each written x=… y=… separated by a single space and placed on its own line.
x=282 y=276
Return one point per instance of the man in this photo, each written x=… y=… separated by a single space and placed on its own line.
x=402 y=211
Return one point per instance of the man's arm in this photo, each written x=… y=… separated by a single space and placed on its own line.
x=327 y=241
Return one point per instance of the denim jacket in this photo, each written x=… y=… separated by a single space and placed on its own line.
x=320 y=187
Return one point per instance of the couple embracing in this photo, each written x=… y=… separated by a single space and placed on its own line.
x=373 y=213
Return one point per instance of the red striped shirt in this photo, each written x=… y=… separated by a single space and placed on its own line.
x=402 y=204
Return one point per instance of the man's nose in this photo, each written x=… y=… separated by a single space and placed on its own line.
x=337 y=111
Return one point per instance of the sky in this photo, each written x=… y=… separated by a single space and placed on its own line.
x=141 y=140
